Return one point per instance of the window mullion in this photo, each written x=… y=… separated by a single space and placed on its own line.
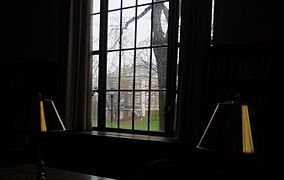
x=102 y=66
x=172 y=63
x=150 y=69
x=134 y=68
x=119 y=66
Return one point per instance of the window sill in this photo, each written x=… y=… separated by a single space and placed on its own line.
x=128 y=136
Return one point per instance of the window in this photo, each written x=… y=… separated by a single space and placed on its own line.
x=134 y=65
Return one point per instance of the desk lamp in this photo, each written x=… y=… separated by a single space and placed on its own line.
x=229 y=129
x=49 y=121
x=227 y=144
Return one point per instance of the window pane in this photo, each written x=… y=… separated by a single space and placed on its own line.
x=111 y=109
x=113 y=4
x=157 y=113
x=159 y=68
x=94 y=110
x=127 y=70
x=141 y=113
x=160 y=23
x=142 y=68
x=144 y=1
x=113 y=39
x=112 y=70
x=144 y=26
x=127 y=3
x=95 y=72
x=128 y=28
x=96 y=6
x=126 y=109
x=96 y=32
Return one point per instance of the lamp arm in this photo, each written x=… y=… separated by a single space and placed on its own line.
x=57 y=114
x=208 y=125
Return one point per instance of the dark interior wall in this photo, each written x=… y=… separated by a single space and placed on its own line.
x=31 y=58
x=29 y=31
x=242 y=21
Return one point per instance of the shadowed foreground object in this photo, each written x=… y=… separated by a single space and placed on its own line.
x=229 y=129
x=49 y=121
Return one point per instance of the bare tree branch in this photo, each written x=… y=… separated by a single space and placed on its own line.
x=138 y=17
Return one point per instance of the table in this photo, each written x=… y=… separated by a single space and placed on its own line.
x=29 y=172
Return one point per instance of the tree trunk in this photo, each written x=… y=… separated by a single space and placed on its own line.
x=159 y=38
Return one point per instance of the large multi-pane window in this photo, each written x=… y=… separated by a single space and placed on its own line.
x=134 y=65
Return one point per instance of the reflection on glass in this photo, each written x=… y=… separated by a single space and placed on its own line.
x=113 y=4
x=96 y=6
x=113 y=30
x=112 y=70
x=96 y=32
x=142 y=68
x=128 y=27
x=144 y=27
x=126 y=110
x=127 y=70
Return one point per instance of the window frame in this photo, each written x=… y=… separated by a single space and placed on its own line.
x=171 y=85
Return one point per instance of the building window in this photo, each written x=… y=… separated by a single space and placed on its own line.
x=134 y=65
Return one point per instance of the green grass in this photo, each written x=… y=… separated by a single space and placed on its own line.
x=138 y=125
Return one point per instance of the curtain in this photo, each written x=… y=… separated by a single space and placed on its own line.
x=78 y=73
x=195 y=38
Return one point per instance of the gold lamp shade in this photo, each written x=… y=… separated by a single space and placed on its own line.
x=49 y=117
x=229 y=129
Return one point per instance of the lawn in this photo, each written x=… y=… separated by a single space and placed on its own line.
x=138 y=125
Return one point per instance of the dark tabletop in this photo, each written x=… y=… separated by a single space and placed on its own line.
x=29 y=172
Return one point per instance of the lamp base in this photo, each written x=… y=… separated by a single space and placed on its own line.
x=41 y=177
x=41 y=170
